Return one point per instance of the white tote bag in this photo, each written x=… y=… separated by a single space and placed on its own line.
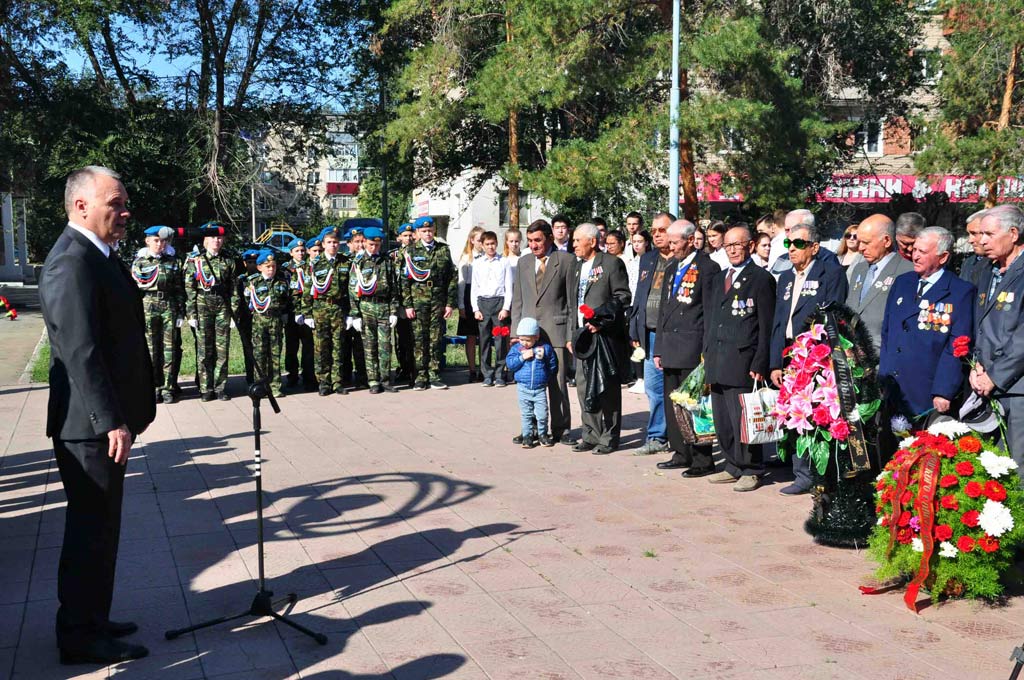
x=757 y=424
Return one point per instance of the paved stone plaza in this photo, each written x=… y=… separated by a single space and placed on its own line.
x=426 y=545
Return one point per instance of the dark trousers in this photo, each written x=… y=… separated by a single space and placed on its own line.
x=243 y=324
x=697 y=456
x=298 y=337
x=492 y=349
x=353 y=359
x=94 y=486
x=740 y=459
x=558 y=395
x=403 y=342
x=604 y=426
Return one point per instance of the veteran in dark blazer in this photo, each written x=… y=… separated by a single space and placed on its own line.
x=811 y=281
x=737 y=352
x=872 y=279
x=541 y=289
x=680 y=333
x=101 y=398
x=926 y=310
x=600 y=281
x=999 y=338
x=975 y=263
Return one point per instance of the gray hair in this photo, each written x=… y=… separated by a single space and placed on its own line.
x=1008 y=217
x=82 y=179
x=684 y=228
x=812 y=231
x=910 y=224
x=974 y=217
x=805 y=216
x=944 y=239
x=587 y=229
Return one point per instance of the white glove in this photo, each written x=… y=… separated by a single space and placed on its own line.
x=232 y=324
x=178 y=322
x=358 y=325
x=392 y=320
x=348 y=322
x=299 y=318
x=309 y=322
x=191 y=323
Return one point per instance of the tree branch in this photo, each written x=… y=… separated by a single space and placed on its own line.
x=108 y=42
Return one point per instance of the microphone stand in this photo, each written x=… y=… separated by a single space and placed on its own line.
x=263 y=604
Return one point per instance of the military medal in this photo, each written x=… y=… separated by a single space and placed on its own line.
x=735 y=306
x=789 y=290
x=146 y=278
x=810 y=288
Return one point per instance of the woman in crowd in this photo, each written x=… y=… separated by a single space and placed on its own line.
x=641 y=242
x=512 y=250
x=467 y=324
x=698 y=239
x=761 y=250
x=615 y=243
x=849 y=249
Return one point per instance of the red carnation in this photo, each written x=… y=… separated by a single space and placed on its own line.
x=885 y=521
x=839 y=430
x=821 y=416
x=905 y=519
x=961 y=351
x=905 y=535
x=943 y=532
x=948 y=481
x=969 y=444
x=961 y=341
x=995 y=490
x=496 y=332
x=988 y=544
x=970 y=518
x=907 y=496
x=950 y=502
x=586 y=311
x=964 y=468
x=965 y=543
x=973 y=489
x=881 y=484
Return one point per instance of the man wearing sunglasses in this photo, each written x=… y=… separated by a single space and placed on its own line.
x=811 y=282
x=778 y=256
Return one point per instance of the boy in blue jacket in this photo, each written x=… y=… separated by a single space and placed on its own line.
x=533 y=365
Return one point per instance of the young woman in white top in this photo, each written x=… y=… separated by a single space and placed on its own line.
x=467 y=324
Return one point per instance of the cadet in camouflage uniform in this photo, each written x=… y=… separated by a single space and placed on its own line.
x=428 y=296
x=403 y=331
x=372 y=297
x=353 y=359
x=158 y=276
x=296 y=335
x=209 y=283
x=243 y=315
x=270 y=301
x=328 y=307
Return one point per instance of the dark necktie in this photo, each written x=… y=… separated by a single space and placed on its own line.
x=920 y=288
x=728 y=279
x=541 y=268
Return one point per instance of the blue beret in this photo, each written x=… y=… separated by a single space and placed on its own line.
x=356 y=230
x=406 y=226
x=296 y=243
x=249 y=254
x=264 y=255
x=423 y=222
x=374 y=232
x=154 y=231
x=329 y=230
x=313 y=242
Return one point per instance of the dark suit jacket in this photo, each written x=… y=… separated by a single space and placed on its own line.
x=739 y=343
x=972 y=267
x=920 y=361
x=681 y=328
x=830 y=286
x=608 y=285
x=872 y=309
x=638 y=311
x=550 y=304
x=101 y=376
x=999 y=324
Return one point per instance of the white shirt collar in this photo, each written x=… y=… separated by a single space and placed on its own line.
x=881 y=264
x=688 y=259
x=807 y=270
x=933 y=278
x=93 y=238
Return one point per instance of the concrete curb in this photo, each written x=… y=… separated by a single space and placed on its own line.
x=26 y=375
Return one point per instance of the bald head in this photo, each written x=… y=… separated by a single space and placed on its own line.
x=680 y=238
x=877 y=237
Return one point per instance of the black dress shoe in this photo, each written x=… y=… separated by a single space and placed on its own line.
x=121 y=628
x=206 y=396
x=325 y=391
x=223 y=396
x=390 y=387
x=601 y=450
x=567 y=439
x=376 y=389
x=794 y=490
x=546 y=440
x=674 y=463
x=518 y=439
x=105 y=651
x=584 y=446
x=699 y=471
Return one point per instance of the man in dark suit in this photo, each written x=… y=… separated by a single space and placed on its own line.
x=926 y=310
x=101 y=398
x=599 y=281
x=542 y=289
x=681 y=338
x=872 y=279
x=736 y=353
x=809 y=282
x=999 y=372
x=975 y=263
x=643 y=322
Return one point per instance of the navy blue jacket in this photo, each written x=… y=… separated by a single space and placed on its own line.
x=638 y=313
x=917 y=340
x=532 y=374
x=826 y=282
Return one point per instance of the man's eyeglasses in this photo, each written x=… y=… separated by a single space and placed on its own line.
x=797 y=243
x=733 y=246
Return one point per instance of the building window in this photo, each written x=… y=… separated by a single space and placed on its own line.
x=524 y=215
x=265 y=203
x=868 y=138
x=343 y=203
x=312 y=178
x=930 y=63
x=343 y=175
x=732 y=142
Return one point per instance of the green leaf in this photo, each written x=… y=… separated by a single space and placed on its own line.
x=819 y=456
x=844 y=343
x=803 y=442
x=869 y=409
x=857 y=372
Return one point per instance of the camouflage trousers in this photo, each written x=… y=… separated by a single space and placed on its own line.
x=329 y=343
x=213 y=336
x=267 y=331
x=428 y=340
x=376 y=341
x=163 y=339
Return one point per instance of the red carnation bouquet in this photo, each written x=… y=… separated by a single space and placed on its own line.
x=587 y=312
x=950 y=514
x=501 y=332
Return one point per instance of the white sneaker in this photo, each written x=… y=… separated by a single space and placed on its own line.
x=638 y=387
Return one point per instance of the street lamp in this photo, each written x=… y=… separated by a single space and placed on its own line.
x=673 y=132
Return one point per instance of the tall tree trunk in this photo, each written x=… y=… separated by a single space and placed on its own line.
x=687 y=169
x=513 y=145
x=1004 y=119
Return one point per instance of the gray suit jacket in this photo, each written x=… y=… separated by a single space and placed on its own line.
x=872 y=309
x=550 y=304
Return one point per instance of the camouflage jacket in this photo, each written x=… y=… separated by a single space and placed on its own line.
x=328 y=280
x=161 y=273
x=268 y=297
x=200 y=278
x=372 y=279
x=428 y=275
x=297 y=275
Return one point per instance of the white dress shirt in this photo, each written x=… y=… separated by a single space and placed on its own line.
x=584 y=275
x=491 y=277
x=93 y=238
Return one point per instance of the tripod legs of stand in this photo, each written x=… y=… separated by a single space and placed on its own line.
x=262 y=605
